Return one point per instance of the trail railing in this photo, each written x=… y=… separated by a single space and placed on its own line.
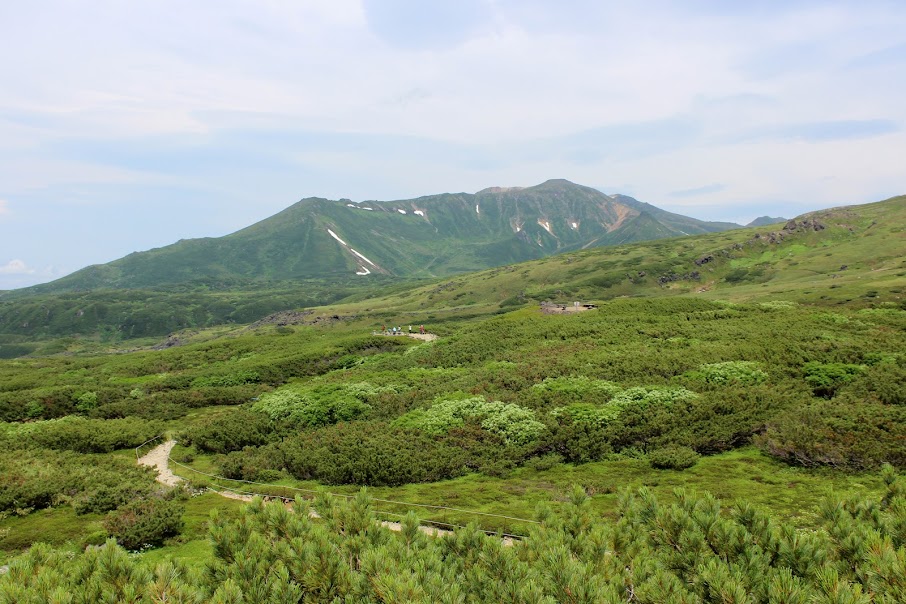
x=139 y=449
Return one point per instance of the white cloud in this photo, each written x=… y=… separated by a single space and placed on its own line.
x=16 y=267
x=4 y=207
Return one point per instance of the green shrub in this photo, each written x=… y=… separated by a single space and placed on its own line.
x=40 y=478
x=106 y=498
x=515 y=424
x=673 y=458
x=578 y=389
x=82 y=435
x=588 y=414
x=884 y=382
x=826 y=378
x=544 y=462
x=310 y=408
x=144 y=523
x=144 y=409
x=642 y=397
x=230 y=431
x=740 y=372
x=86 y=401
x=838 y=434
x=576 y=442
x=372 y=453
x=232 y=379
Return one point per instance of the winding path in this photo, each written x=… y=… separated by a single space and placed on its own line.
x=159 y=457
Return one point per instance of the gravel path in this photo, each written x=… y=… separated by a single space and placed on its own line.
x=157 y=458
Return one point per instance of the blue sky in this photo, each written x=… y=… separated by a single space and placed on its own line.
x=129 y=125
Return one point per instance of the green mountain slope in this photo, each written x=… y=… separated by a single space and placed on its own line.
x=851 y=254
x=425 y=237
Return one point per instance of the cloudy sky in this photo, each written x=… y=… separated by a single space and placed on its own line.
x=130 y=125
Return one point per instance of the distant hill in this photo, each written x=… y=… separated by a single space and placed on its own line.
x=765 y=221
x=431 y=236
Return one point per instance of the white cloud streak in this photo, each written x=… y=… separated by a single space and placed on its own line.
x=15 y=267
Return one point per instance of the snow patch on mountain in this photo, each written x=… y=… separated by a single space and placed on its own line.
x=335 y=236
x=362 y=257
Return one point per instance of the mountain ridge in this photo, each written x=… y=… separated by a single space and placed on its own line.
x=424 y=237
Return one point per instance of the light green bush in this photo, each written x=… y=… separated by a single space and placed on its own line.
x=515 y=424
x=739 y=372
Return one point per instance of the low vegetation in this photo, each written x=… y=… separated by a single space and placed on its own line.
x=509 y=403
x=690 y=550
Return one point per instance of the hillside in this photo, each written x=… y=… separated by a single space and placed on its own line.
x=852 y=254
x=429 y=236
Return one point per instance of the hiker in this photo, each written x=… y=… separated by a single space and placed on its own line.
x=421 y=329
x=410 y=329
x=384 y=328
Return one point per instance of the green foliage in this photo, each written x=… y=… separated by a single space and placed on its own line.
x=145 y=523
x=673 y=458
x=826 y=378
x=233 y=379
x=688 y=550
x=34 y=479
x=86 y=401
x=580 y=389
x=80 y=434
x=740 y=372
x=643 y=397
x=230 y=431
x=588 y=414
x=515 y=424
x=839 y=434
x=313 y=407
x=370 y=454
x=884 y=381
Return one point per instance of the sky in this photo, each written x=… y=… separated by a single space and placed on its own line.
x=130 y=125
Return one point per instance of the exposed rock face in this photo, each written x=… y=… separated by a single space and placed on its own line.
x=283 y=318
x=170 y=342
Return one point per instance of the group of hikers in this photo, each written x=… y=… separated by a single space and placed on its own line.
x=398 y=331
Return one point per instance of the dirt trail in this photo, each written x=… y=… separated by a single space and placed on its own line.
x=159 y=456
x=426 y=337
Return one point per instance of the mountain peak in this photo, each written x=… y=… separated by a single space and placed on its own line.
x=499 y=190
x=557 y=183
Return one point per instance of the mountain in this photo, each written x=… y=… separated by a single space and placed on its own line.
x=849 y=255
x=765 y=221
x=431 y=236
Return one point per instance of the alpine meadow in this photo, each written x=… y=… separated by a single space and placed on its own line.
x=453 y=302
x=719 y=418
